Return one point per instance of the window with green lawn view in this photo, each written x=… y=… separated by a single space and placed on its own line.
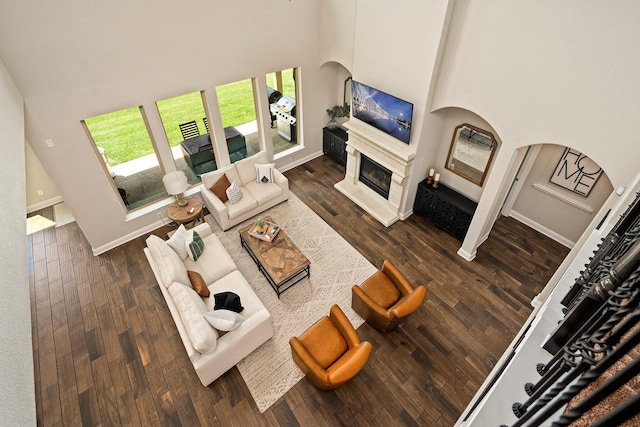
x=185 y=124
x=123 y=142
x=238 y=113
x=282 y=92
x=129 y=152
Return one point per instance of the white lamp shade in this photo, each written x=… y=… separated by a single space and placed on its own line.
x=175 y=182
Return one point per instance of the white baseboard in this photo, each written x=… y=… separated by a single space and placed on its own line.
x=45 y=204
x=126 y=238
x=300 y=161
x=157 y=224
x=468 y=256
x=542 y=229
x=406 y=214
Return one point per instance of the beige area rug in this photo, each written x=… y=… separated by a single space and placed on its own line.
x=62 y=215
x=37 y=223
x=270 y=372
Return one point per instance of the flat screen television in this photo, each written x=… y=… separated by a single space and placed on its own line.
x=383 y=111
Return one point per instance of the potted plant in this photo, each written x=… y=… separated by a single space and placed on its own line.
x=336 y=112
x=261 y=225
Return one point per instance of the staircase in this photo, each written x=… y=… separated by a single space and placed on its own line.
x=592 y=377
x=621 y=395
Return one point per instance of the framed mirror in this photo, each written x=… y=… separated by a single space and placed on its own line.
x=471 y=152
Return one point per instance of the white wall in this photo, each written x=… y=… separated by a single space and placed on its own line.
x=559 y=213
x=549 y=72
x=75 y=60
x=537 y=73
x=452 y=118
x=17 y=405
x=38 y=180
x=338 y=31
x=541 y=72
x=396 y=50
x=544 y=73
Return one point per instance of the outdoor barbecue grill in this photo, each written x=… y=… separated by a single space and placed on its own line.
x=285 y=111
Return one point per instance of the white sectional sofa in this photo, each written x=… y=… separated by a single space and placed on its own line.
x=256 y=196
x=211 y=352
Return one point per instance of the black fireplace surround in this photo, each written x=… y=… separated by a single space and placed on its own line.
x=375 y=176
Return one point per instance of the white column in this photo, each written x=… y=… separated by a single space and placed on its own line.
x=495 y=191
x=353 y=165
x=396 y=189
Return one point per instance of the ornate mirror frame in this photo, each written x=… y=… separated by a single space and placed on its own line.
x=471 y=152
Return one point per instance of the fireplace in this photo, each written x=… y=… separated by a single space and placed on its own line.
x=375 y=176
x=377 y=173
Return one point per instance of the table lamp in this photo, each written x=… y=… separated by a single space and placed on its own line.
x=176 y=184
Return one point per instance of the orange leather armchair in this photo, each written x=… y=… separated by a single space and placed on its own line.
x=330 y=352
x=386 y=298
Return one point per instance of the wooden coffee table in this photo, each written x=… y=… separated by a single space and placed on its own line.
x=280 y=261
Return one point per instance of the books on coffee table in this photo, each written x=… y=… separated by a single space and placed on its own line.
x=267 y=232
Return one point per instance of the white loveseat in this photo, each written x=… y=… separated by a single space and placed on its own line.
x=256 y=196
x=211 y=352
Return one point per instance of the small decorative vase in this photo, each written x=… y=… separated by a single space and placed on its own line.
x=332 y=124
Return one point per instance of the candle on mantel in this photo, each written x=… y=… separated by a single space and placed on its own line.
x=431 y=172
x=437 y=178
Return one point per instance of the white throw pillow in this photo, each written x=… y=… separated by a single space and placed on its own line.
x=177 y=242
x=191 y=308
x=264 y=173
x=234 y=193
x=224 y=320
x=168 y=262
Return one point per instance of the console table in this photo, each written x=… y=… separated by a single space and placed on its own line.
x=334 y=144
x=447 y=209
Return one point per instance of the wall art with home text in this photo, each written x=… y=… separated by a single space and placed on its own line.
x=576 y=172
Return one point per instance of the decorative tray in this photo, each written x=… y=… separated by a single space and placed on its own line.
x=267 y=232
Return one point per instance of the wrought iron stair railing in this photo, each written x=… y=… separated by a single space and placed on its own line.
x=599 y=329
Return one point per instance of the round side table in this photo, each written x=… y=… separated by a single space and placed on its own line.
x=182 y=214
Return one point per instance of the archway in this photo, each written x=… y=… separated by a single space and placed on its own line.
x=556 y=193
x=519 y=185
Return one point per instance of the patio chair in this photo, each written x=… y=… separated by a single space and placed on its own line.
x=124 y=196
x=189 y=129
x=206 y=124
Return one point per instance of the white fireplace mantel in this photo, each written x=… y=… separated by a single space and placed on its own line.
x=388 y=152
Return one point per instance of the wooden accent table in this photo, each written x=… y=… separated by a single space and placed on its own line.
x=181 y=215
x=280 y=261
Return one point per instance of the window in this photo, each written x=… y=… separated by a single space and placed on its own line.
x=129 y=153
x=123 y=141
x=282 y=91
x=237 y=109
x=185 y=124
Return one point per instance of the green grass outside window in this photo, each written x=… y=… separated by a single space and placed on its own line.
x=124 y=136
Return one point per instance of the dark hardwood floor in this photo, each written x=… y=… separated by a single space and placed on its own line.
x=107 y=352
